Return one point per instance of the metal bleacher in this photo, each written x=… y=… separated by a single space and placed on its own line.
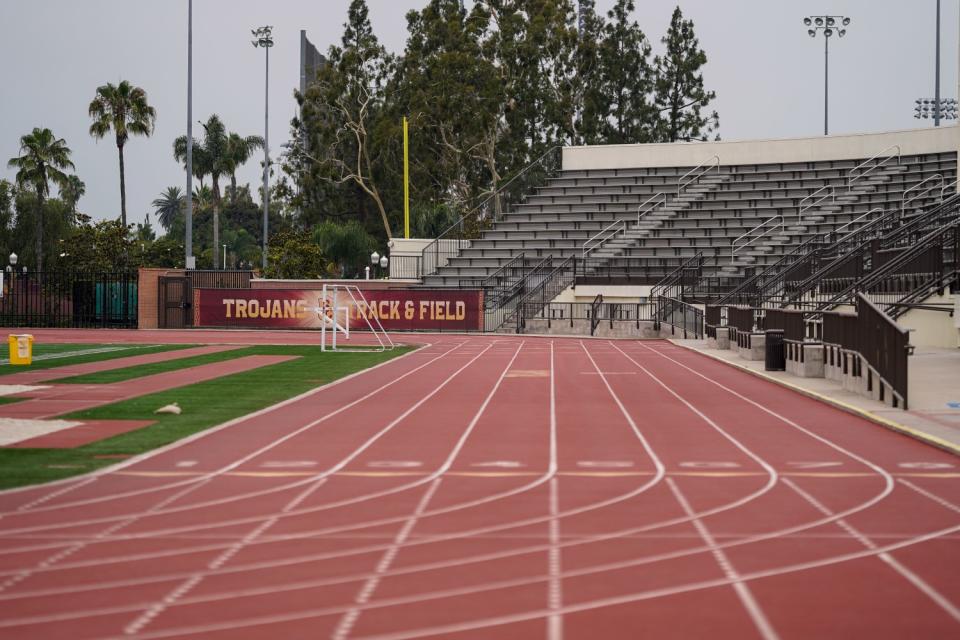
x=638 y=225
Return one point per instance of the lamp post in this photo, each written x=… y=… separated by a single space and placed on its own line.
x=224 y=257
x=829 y=25
x=263 y=37
x=384 y=262
x=375 y=261
x=189 y=261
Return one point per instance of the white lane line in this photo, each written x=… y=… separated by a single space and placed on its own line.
x=190 y=583
x=756 y=538
x=214 y=430
x=657 y=463
x=749 y=603
x=349 y=619
x=941 y=501
x=555 y=568
x=534 y=614
x=56 y=558
x=230 y=466
x=894 y=564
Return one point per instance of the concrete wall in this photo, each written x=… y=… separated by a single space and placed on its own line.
x=611 y=293
x=931 y=328
x=690 y=154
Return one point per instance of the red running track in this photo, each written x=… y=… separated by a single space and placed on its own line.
x=502 y=487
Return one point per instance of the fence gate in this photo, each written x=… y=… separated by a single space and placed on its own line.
x=176 y=302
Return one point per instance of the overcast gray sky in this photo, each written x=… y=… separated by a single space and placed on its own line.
x=768 y=74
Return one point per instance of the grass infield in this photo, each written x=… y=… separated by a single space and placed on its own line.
x=85 y=353
x=205 y=404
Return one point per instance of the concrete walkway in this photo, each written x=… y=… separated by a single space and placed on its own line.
x=934 y=395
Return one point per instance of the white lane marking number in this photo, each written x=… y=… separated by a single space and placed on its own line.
x=710 y=465
x=395 y=464
x=925 y=465
x=605 y=464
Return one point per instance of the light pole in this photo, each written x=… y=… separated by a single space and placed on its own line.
x=263 y=37
x=829 y=25
x=188 y=238
x=375 y=261
x=224 y=257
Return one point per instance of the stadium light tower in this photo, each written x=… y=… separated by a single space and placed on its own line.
x=829 y=25
x=263 y=37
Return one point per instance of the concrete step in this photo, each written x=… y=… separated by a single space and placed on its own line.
x=848 y=198
x=808 y=218
x=829 y=208
x=799 y=228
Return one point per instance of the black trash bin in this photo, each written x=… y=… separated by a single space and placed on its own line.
x=776 y=353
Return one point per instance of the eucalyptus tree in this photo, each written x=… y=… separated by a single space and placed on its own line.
x=43 y=158
x=123 y=109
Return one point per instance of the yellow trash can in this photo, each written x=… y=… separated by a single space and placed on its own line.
x=21 y=348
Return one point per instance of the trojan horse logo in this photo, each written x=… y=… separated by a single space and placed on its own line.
x=324 y=310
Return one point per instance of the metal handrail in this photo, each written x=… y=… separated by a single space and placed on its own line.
x=852 y=178
x=640 y=209
x=733 y=247
x=677 y=274
x=857 y=219
x=905 y=201
x=681 y=185
x=815 y=201
x=952 y=185
x=484 y=281
x=600 y=238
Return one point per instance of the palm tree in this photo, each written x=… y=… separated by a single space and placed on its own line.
x=168 y=205
x=42 y=158
x=209 y=159
x=239 y=150
x=124 y=109
x=72 y=191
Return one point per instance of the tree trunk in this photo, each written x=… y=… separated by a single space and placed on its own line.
x=233 y=186
x=123 y=191
x=216 y=222
x=39 y=239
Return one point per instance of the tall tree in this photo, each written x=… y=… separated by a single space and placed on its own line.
x=680 y=94
x=72 y=191
x=628 y=79
x=239 y=150
x=342 y=111
x=43 y=157
x=122 y=108
x=210 y=157
x=170 y=203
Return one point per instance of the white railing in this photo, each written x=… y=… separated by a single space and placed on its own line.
x=918 y=192
x=771 y=229
x=650 y=205
x=815 y=199
x=952 y=185
x=601 y=237
x=704 y=168
x=851 y=178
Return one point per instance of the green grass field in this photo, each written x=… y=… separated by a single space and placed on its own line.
x=129 y=373
x=47 y=356
x=204 y=405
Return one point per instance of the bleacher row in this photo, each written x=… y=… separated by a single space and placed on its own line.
x=572 y=208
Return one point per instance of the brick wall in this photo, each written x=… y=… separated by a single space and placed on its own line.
x=147 y=296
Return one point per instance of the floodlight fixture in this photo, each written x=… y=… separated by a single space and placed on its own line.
x=264 y=39
x=829 y=25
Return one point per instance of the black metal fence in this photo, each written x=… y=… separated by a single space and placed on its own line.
x=69 y=299
x=680 y=317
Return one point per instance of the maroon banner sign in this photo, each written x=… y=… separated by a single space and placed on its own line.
x=396 y=309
